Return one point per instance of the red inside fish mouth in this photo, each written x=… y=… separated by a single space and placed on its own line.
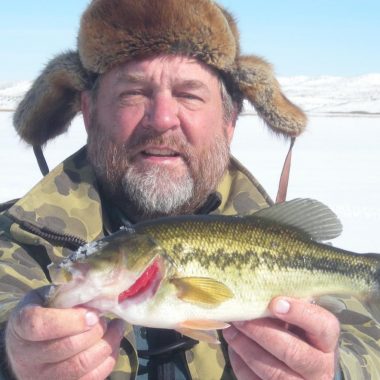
x=143 y=283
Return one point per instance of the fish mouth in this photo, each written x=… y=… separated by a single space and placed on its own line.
x=146 y=285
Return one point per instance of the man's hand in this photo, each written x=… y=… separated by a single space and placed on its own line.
x=304 y=347
x=44 y=343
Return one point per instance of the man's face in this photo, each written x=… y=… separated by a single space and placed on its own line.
x=157 y=134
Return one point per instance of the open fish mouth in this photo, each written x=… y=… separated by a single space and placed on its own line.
x=146 y=285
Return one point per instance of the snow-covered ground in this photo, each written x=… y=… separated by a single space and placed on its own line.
x=328 y=94
x=12 y=93
x=336 y=161
x=322 y=94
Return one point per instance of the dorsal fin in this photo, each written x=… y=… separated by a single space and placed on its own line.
x=307 y=215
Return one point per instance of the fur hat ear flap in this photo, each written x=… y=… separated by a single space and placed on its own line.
x=53 y=100
x=256 y=81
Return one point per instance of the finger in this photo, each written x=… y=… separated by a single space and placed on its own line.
x=104 y=369
x=58 y=350
x=260 y=361
x=321 y=327
x=37 y=323
x=283 y=344
x=90 y=359
x=241 y=370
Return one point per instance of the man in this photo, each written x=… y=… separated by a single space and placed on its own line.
x=160 y=84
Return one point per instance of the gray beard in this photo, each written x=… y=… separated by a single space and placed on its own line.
x=156 y=191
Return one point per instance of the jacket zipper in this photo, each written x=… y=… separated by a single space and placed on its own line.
x=70 y=241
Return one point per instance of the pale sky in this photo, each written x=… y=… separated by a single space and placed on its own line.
x=299 y=37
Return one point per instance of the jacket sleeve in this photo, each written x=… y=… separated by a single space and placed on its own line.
x=19 y=271
x=359 y=340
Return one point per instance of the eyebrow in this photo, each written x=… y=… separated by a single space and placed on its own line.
x=193 y=84
x=131 y=78
x=136 y=78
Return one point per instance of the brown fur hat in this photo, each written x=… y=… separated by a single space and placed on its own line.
x=115 y=31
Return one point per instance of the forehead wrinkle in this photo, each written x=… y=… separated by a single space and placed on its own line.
x=131 y=77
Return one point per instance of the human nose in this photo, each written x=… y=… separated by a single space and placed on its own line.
x=162 y=113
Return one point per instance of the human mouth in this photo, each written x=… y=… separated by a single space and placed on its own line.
x=159 y=156
x=159 y=152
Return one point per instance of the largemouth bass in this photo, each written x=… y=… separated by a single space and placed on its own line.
x=196 y=273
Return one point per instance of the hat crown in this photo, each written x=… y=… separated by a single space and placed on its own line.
x=115 y=31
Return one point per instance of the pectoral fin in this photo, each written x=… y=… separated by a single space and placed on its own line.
x=202 y=290
x=204 y=325
x=203 y=336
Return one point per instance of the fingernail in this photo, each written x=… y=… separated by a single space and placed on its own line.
x=281 y=307
x=230 y=334
x=91 y=318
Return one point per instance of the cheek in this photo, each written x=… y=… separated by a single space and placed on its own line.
x=126 y=124
x=122 y=123
x=201 y=130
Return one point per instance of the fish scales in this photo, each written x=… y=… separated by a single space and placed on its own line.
x=209 y=246
x=172 y=271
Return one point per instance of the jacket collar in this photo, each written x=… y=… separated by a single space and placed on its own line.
x=67 y=200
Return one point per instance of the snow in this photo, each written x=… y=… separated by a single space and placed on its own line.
x=12 y=93
x=337 y=160
x=316 y=95
x=327 y=94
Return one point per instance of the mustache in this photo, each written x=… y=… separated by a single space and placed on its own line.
x=174 y=142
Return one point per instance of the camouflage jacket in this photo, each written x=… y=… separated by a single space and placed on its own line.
x=64 y=211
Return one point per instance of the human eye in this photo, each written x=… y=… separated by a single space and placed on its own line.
x=132 y=96
x=192 y=92
x=189 y=95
